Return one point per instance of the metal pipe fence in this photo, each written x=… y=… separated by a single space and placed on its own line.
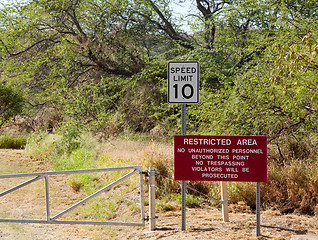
x=53 y=220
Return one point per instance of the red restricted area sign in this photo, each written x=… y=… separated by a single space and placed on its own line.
x=220 y=158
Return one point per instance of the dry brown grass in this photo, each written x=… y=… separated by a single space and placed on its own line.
x=292 y=187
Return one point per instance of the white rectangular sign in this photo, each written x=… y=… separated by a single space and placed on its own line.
x=183 y=82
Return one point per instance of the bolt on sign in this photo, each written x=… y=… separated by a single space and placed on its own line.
x=220 y=158
x=183 y=82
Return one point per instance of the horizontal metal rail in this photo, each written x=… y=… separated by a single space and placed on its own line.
x=71 y=222
x=45 y=175
x=70 y=172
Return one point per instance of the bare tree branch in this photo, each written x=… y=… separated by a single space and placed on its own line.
x=33 y=45
x=169 y=29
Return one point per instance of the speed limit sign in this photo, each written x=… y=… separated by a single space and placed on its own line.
x=183 y=82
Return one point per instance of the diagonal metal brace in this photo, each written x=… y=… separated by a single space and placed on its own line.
x=94 y=194
x=21 y=185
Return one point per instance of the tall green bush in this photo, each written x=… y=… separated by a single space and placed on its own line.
x=11 y=103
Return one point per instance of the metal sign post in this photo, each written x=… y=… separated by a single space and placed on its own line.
x=183 y=185
x=183 y=88
x=258 y=209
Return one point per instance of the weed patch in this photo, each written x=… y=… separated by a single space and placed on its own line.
x=13 y=142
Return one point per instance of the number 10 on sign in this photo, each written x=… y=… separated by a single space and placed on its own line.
x=183 y=82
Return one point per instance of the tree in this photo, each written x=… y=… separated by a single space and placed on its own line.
x=52 y=46
x=84 y=56
x=102 y=36
x=209 y=13
x=10 y=103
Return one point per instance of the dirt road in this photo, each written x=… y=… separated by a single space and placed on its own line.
x=202 y=223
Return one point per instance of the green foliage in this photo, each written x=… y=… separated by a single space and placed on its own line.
x=41 y=144
x=104 y=64
x=78 y=159
x=11 y=103
x=87 y=182
x=191 y=201
x=172 y=201
x=272 y=98
x=70 y=141
x=68 y=149
x=13 y=142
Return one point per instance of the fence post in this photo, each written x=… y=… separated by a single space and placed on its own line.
x=142 y=203
x=225 y=209
x=152 y=199
x=47 y=198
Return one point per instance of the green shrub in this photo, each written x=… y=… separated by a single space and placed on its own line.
x=13 y=142
x=77 y=159
x=11 y=103
x=71 y=137
x=191 y=201
x=42 y=145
